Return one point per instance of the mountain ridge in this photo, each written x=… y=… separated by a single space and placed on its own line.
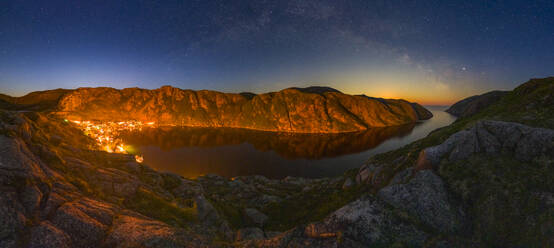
x=473 y=104
x=313 y=109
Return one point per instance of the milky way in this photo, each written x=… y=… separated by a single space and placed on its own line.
x=426 y=51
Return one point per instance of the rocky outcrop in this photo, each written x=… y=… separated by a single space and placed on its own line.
x=255 y=217
x=51 y=199
x=365 y=222
x=308 y=110
x=249 y=233
x=475 y=185
x=473 y=104
x=491 y=137
x=426 y=197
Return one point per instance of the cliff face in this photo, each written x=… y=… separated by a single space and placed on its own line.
x=309 y=110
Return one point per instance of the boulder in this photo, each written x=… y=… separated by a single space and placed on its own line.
x=52 y=203
x=425 y=196
x=255 y=217
x=12 y=219
x=491 y=137
x=83 y=230
x=206 y=211
x=402 y=176
x=30 y=198
x=45 y=235
x=366 y=222
x=18 y=159
x=115 y=182
x=137 y=231
x=100 y=211
x=209 y=216
x=347 y=183
x=369 y=173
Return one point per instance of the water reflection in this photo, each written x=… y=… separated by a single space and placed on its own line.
x=232 y=152
x=288 y=145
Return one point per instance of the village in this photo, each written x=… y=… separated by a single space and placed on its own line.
x=106 y=134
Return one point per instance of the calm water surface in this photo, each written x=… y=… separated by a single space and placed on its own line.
x=236 y=152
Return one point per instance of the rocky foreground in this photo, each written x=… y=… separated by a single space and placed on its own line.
x=302 y=110
x=484 y=181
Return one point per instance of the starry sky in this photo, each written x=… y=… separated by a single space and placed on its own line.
x=432 y=52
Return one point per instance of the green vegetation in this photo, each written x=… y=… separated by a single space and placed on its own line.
x=504 y=197
x=231 y=211
x=308 y=206
x=151 y=205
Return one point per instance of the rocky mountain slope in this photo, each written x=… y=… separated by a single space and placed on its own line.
x=34 y=101
x=484 y=181
x=473 y=104
x=304 y=110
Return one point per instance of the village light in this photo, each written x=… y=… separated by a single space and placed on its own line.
x=106 y=134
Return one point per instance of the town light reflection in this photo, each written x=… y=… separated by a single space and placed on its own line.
x=106 y=134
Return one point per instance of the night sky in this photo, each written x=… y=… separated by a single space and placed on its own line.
x=433 y=52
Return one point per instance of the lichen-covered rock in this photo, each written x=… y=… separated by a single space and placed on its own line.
x=12 y=219
x=45 y=235
x=83 y=230
x=371 y=174
x=365 y=222
x=30 y=198
x=18 y=159
x=206 y=212
x=255 y=217
x=426 y=197
x=491 y=137
x=116 y=182
x=347 y=183
x=138 y=231
x=208 y=215
x=402 y=176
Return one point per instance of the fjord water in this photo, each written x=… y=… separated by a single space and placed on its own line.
x=228 y=152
